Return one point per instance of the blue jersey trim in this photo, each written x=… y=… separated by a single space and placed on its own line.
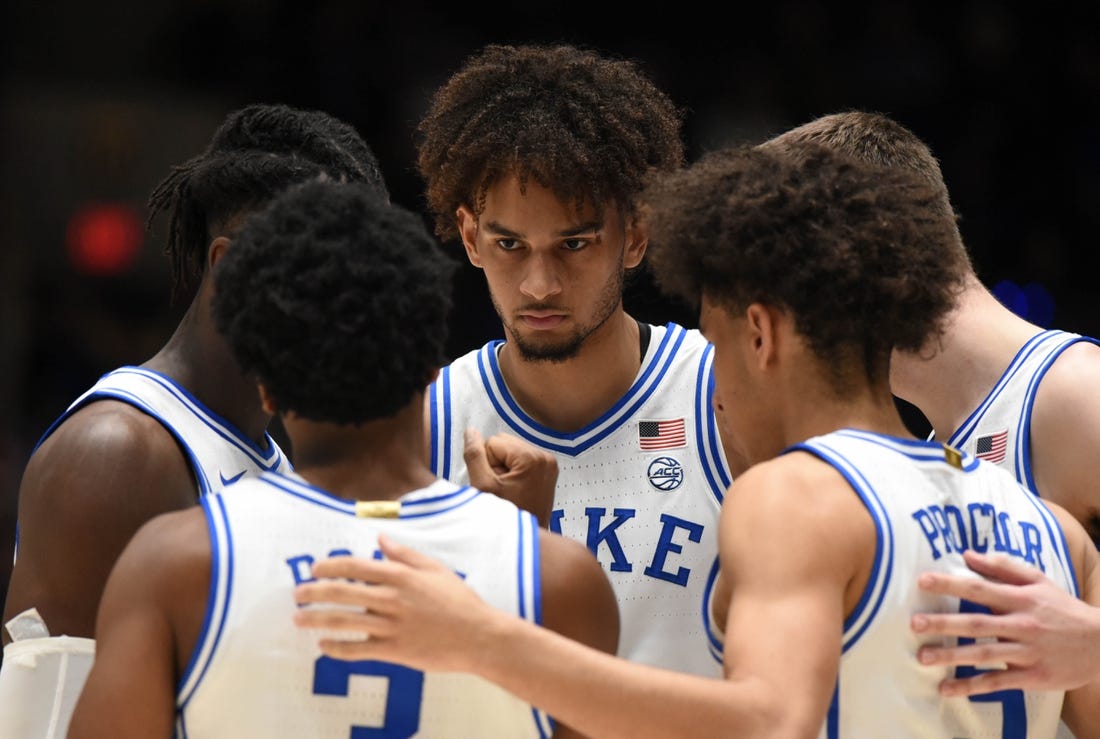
x=413 y=507
x=211 y=598
x=716 y=647
x=962 y=434
x=440 y=399
x=1023 y=437
x=918 y=450
x=268 y=458
x=713 y=460
x=221 y=617
x=832 y=718
x=434 y=410
x=576 y=442
x=882 y=569
x=536 y=566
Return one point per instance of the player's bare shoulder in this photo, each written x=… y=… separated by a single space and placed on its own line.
x=105 y=471
x=112 y=443
x=1064 y=433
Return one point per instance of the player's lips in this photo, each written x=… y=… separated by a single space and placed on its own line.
x=542 y=320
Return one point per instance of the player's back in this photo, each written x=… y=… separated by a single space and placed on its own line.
x=253 y=673
x=929 y=503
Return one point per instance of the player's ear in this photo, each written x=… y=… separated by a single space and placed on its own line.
x=267 y=400
x=637 y=239
x=762 y=326
x=216 y=251
x=467 y=229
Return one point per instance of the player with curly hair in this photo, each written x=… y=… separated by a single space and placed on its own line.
x=809 y=272
x=1017 y=398
x=332 y=299
x=155 y=437
x=534 y=156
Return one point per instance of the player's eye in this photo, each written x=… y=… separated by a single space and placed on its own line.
x=507 y=244
x=575 y=244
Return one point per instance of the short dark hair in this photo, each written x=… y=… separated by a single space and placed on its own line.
x=235 y=174
x=876 y=139
x=336 y=301
x=585 y=126
x=863 y=259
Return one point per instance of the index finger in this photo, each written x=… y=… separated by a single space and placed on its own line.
x=996 y=597
x=356 y=568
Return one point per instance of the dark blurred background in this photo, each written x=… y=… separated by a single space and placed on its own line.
x=100 y=99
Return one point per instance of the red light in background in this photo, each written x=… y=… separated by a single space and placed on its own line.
x=104 y=239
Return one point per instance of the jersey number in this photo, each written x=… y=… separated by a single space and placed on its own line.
x=403 y=696
x=1013 y=714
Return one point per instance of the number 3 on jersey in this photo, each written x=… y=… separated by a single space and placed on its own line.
x=1014 y=713
x=403 y=696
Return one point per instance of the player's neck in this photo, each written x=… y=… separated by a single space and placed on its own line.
x=200 y=360
x=569 y=395
x=378 y=460
x=822 y=411
x=949 y=378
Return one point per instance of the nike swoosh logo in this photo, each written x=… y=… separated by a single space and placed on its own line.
x=235 y=477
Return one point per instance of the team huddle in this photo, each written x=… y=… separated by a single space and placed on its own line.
x=593 y=526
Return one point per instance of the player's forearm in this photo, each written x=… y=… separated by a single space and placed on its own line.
x=601 y=695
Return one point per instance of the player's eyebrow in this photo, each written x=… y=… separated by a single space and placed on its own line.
x=583 y=228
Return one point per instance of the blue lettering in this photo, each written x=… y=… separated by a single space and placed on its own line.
x=941 y=524
x=948 y=525
x=1009 y=539
x=924 y=519
x=665 y=545
x=958 y=530
x=1033 y=545
x=555 y=520
x=596 y=535
x=301 y=568
x=978 y=542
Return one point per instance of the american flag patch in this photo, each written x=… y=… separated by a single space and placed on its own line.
x=992 y=447
x=654 y=435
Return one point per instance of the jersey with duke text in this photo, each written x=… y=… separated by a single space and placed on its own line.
x=999 y=429
x=641 y=486
x=929 y=504
x=254 y=674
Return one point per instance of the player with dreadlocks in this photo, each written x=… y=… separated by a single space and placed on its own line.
x=155 y=437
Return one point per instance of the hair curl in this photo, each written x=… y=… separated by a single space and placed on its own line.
x=587 y=127
x=336 y=301
x=863 y=259
x=208 y=190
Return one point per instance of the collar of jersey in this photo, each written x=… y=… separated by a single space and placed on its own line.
x=268 y=458
x=658 y=358
x=438 y=497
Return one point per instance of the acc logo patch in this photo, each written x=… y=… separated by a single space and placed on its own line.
x=665 y=473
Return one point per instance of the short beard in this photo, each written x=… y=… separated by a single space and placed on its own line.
x=568 y=349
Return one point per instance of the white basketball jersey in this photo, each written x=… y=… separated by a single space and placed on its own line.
x=641 y=486
x=217 y=452
x=255 y=674
x=999 y=429
x=929 y=504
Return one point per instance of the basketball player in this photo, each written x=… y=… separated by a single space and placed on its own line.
x=809 y=273
x=1018 y=396
x=534 y=157
x=333 y=299
x=156 y=437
